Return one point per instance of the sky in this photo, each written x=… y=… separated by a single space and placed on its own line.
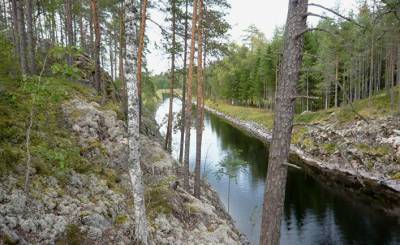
x=266 y=15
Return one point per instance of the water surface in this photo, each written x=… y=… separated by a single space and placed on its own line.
x=235 y=165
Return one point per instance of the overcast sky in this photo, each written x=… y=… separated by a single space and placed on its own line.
x=266 y=15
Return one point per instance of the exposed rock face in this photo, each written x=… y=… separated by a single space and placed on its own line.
x=100 y=133
x=97 y=208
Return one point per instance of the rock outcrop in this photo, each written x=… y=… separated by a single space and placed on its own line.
x=95 y=207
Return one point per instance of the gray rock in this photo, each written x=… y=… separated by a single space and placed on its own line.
x=96 y=220
x=28 y=226
x=11 y=222
x=10 y=234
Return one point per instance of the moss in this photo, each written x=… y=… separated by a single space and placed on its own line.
x=72 y=236
x=396 y=176
x=10 y=157
x=6 y=240
x=381 y=150
x=121 y=219
x=157 y=198
x=329 y=148
x=53 y=148
x=95 y=144
x=298 y=135
x=116 y=107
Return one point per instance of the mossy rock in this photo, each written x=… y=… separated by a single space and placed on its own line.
x=329 y=148
x=157 y=198
x=380 y=150
x=72 y=236
x=396 y=176
x=121 y=219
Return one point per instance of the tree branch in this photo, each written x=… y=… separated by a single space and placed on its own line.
x=336 y=13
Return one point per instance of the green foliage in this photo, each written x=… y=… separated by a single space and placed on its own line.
x=52 y=146
x=61 y=68
x=230 y=165
x=7 y=57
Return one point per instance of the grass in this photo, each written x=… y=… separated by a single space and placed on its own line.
x=378 y=106
x=257 y=115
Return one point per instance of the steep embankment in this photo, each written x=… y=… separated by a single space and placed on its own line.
x=78 y=189
x=364 y=156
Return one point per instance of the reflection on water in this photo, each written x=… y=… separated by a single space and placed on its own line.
x=312 y=214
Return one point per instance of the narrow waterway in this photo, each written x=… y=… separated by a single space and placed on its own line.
x=235 y=165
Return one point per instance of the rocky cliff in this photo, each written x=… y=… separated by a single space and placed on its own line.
x=94 y=206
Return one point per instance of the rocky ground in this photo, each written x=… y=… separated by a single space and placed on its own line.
x=367 y=151
x=95 y=207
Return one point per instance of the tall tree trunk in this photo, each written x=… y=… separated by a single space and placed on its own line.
x=82 y=34
x=371 y=72
x=111 y=50
x=61 y=29
x=200 y=101
x=183 y=113
x=22 y=36
x=337 y=79
x=398 y=73
x=121 y=58
x=96 y=25
x=132 y=85
x=30 y=38
x=284 y=112
x=68 y=27
x=143 y=17
x=91 y=36
x=188 y=113
x=168 y=138
x=16 y=35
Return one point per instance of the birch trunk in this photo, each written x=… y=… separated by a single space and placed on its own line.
x=274 y=196
x=188 y=106
x=132 y=83
x=200 y=101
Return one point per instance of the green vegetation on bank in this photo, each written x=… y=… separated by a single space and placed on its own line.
x=376 y=107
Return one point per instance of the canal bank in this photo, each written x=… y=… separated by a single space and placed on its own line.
x=314 y=213
x=377 y=190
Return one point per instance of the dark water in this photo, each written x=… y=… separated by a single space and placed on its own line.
x=313 y=214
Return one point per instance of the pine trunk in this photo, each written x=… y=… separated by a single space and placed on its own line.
x=188 y=105
x=21 y=36
x=140 y=52
x=30 y=38
x=200 y=102
x=132 y=85
x=82 y=34
x=121 y=59
x=274 y=196
x=68 y=27
x=168 y=139
x=96 y=25
x=183 y=113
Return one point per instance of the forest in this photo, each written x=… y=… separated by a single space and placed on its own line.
x=257 y=141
